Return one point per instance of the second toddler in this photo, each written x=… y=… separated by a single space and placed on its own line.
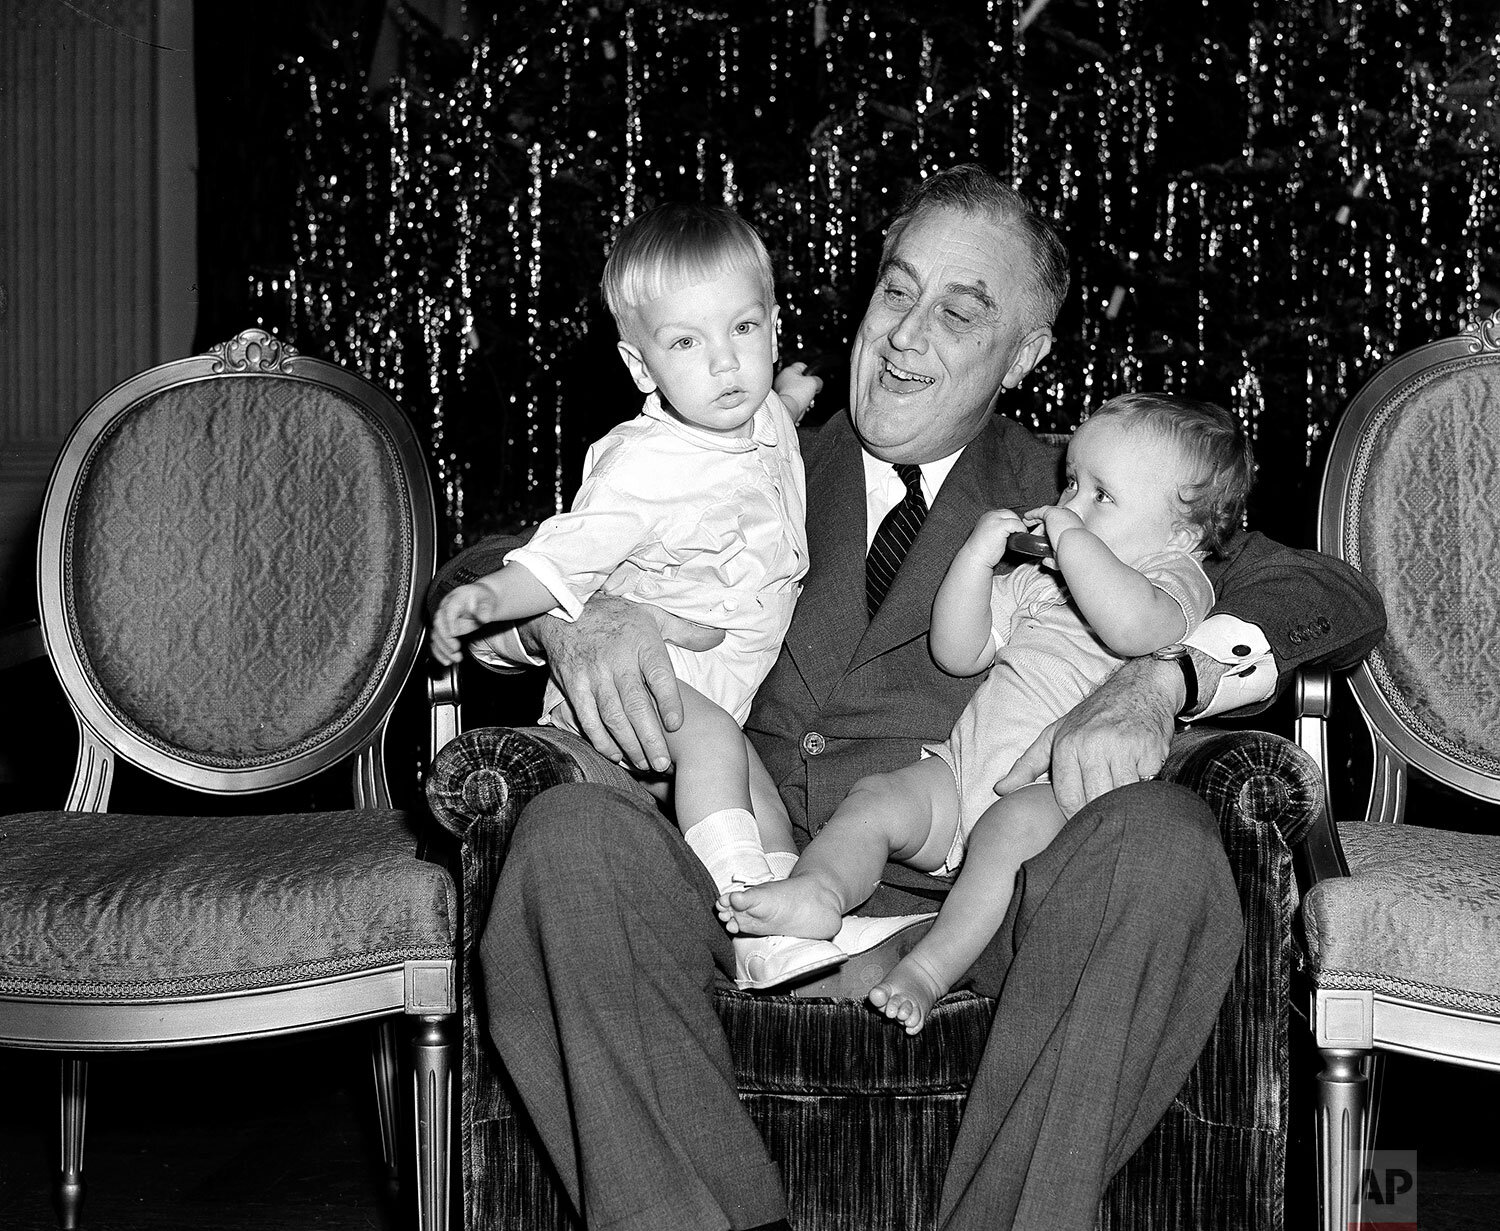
x=1154 y=484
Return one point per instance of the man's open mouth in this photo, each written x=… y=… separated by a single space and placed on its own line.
x=900 y=379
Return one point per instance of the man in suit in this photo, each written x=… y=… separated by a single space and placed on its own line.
x=602 y=949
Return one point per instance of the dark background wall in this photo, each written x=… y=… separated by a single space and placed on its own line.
x=1264 y=201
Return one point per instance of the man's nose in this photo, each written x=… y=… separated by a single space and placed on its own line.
x=909 y=330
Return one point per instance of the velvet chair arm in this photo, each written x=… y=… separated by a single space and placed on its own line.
x=1261 y=778
x=482 y=781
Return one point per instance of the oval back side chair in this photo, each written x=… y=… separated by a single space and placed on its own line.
x=232 y=557
x=1402 y=921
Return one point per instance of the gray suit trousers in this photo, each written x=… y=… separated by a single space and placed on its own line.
x=602 y=952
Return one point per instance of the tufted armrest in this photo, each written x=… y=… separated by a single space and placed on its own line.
x=1261 y=778
x=1264 y=790
x=480 y=783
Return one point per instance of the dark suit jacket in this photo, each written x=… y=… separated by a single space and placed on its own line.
x=850 y=697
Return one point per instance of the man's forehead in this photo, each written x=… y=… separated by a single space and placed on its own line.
x=963 y=250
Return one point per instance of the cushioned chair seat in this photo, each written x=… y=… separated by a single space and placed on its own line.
x=177 y=906
x=1418 y=917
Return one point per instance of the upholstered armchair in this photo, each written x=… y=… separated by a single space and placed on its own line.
x=233 y=553
x=846 y=1101
x=1402 y=921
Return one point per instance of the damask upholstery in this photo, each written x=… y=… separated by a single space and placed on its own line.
x=231 y=561
x=1418 y=917
x=169 y=906
x=209 y=657
x=1425 y=530
x=861 y=1118
x=1402 y=923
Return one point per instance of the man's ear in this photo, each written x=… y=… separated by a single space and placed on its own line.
x=1036 y=347
x=638 y=370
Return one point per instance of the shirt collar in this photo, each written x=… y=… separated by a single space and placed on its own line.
x=878 y=473
x=762 y=427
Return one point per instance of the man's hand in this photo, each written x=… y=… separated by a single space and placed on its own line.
x=1115 y=736
x=612 y=667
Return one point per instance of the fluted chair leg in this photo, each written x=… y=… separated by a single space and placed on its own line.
x=433 y=1073
x=383 y=1058
x=1375 y=1073
x=74 y=1104
x=1341 y=1136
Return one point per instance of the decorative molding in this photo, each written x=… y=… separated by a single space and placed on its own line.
x=252 y=350
x=1484 y=335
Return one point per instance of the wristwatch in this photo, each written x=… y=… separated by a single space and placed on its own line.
x=1178 y=653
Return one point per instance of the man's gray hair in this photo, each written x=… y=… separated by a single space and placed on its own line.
x=972 y=189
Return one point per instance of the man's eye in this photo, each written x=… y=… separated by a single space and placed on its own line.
x=897 y=294
x=955 y=317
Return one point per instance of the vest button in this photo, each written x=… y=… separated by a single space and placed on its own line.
x=813 y=743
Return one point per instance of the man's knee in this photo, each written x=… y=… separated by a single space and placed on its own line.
x=1169 y=842
x=572 y=830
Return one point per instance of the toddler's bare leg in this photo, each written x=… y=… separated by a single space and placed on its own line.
x=718 y=777
x=907 y=815
x=1010 y=831
x=711 y=770
x=770 y=813
x=711 y=792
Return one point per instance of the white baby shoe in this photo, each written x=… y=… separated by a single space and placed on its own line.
x=767 y=961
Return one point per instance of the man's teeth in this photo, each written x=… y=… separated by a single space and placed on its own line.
x=900 y=374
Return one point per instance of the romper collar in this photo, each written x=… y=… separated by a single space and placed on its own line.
x=762 y=427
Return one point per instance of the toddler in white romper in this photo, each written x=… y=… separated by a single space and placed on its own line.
x=697 y=507
x=1154 y=483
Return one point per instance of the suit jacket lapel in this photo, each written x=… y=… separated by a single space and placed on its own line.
x=907 y=610
x=830 y=616
x=830 y=633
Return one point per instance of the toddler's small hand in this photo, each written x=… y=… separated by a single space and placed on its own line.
x=797 y=387
x=457 y=616
x=991 y=533
x=1055 y=519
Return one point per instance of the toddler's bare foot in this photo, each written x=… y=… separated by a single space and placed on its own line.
x=907 y=994
x=797 y=906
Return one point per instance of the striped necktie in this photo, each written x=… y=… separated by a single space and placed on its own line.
x=894 y=538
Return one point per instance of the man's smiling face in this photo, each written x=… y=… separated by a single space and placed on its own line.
x=950 y=324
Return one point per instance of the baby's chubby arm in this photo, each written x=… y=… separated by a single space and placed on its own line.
x=1129 y=614
x=509 y=594
x=960 y=637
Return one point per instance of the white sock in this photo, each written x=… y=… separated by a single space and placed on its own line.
x=782 y=863
x=728 y=843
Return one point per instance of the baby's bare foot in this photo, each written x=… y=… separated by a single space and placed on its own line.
x=797 y=906
x=907 y=994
